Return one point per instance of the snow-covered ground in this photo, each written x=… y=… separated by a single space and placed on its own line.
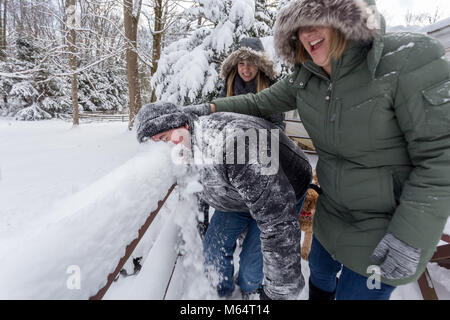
x=74 y=197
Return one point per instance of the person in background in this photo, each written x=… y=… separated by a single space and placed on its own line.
x=377 y=108
x=246 y=70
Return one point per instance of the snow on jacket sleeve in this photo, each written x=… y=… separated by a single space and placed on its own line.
x=279 y=97
x=271 y=201
x=422 y=107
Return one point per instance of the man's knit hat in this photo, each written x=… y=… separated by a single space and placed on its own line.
x=157 y=117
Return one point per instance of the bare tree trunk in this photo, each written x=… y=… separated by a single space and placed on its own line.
x=157 y=39
x=73 y=58
x=3 y=30
x=2 y=54
x=131 y=20
x=20 y=19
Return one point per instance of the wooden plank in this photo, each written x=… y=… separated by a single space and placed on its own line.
x=171 y=275
x=446 y=238
x=426 y=287
x=442 y=253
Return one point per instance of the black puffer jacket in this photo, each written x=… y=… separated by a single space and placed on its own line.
x=244 y=186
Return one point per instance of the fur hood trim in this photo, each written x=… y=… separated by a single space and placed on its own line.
x=258 y=58
x=354 y=18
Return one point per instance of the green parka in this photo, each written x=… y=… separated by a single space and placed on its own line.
x=381 y=128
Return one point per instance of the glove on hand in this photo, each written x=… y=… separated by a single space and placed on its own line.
x=203 y=109
x=396 y=258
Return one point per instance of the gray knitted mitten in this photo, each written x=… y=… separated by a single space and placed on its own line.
x=203 y=109
x=397 y=259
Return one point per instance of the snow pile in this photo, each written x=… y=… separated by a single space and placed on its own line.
x=42 y=162
x=194 y=283
x=243 y=13
x=85 y=234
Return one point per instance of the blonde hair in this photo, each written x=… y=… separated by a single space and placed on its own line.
x=261 y=82
x=338 y=42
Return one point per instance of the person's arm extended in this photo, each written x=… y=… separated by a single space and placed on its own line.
x=280 y=97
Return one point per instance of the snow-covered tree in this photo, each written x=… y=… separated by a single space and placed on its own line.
x=34 y=76
x=103 y=90
x=265 y=15
x=33 y=88
x=25 y=89
x=188 y=70
x=282 y=3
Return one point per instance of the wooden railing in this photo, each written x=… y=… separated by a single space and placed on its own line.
x=98 y=116
x=303 y=140
x=442 y=258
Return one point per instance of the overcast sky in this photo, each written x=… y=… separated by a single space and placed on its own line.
x=395 y=10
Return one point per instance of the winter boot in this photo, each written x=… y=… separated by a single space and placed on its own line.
x=318 y=294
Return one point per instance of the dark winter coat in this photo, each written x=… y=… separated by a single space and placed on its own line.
x=270 y=198
x=246 y=164
x=380 y=125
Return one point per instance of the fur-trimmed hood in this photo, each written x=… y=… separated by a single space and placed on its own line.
x=250 y=49
x=356 y=19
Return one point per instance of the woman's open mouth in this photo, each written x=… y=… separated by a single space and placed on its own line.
x=316 y=44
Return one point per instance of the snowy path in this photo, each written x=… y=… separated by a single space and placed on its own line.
x=48 y=168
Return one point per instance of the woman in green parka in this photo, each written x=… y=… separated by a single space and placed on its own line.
x=377 y=108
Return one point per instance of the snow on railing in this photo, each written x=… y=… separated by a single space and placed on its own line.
x=87 y=236
x=442 y=258
x=130 y=248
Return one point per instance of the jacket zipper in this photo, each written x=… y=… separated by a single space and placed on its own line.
x=331 y=114
x=332 y=130
x=330 y=119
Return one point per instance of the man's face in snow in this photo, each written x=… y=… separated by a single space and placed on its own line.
x=176 y=136
x=247 y=71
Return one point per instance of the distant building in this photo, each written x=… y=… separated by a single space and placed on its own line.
x=440 y=31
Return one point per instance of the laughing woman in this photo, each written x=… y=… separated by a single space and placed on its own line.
x=377 y=107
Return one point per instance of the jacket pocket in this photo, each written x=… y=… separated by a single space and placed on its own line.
x=368 y=190
x=437 y=107
x=438 y=94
